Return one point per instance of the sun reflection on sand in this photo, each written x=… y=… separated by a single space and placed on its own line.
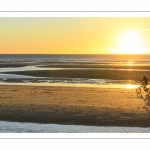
x=114 y=86
x=129 y=86
x=130 y=63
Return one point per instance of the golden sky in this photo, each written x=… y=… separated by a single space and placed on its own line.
x=74 y=35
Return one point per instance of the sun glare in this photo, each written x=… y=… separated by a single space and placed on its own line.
x=130 y=42
x=129 y=86
x=130 y=63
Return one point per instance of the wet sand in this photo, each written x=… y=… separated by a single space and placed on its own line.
x=134 y=76
x=14 y=64
x=74 y=105
x=111 y=71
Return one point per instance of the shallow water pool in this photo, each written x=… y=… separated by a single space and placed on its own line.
x=19 y=127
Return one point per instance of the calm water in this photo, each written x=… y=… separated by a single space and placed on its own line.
x=76 y=58
x=18 y=127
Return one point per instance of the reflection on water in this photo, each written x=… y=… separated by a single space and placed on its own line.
x=18 y=127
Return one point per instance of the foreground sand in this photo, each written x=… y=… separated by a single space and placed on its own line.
x=70 y=105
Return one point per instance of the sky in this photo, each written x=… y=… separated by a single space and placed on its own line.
x=74 y=35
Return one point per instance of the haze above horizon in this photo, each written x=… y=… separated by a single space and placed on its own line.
x=75 y=35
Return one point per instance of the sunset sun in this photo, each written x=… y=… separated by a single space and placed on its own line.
x=130 y=42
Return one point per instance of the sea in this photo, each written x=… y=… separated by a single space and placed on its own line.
x=137 y=58
x=11 y=63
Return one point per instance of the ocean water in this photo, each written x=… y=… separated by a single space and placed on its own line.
x=114 y=62
x=119 y=58
x=137 y=58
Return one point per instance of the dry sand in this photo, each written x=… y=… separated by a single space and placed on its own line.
x=74 y=105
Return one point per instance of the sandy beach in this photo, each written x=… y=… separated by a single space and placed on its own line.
x=74 y=105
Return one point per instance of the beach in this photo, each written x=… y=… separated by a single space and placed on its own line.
x=74 y=105
x=91 y=90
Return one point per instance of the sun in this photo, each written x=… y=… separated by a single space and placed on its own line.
x=130 y=42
